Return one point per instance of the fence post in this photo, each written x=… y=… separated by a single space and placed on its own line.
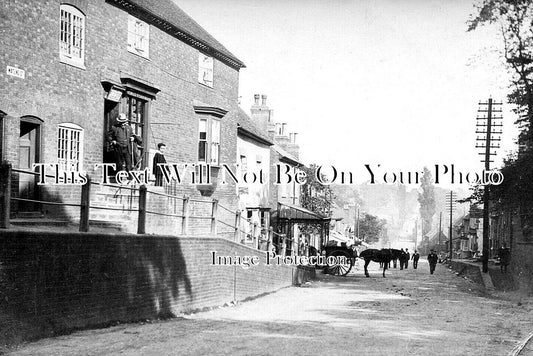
x=283 y=245
x=141 y=221
x=214 y=217
x=256 y=236
x=5 y=194
x=185 y=213
x=85 y=203
x=270 y=237
x=237 y=224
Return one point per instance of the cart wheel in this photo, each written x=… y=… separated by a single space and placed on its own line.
x=343 y=264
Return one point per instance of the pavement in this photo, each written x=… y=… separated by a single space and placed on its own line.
x=410 y=312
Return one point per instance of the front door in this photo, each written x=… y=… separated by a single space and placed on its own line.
x=111 y=110
x=29 y=151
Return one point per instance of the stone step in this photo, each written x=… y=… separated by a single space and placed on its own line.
x=29 y=214
x=34 y=222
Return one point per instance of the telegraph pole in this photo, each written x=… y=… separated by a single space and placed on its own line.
x=416 y=232
x=440 y=227
x=488 y=130
x=450 y=199
x=357 y=222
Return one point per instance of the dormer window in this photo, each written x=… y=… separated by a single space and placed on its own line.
x=138 y=36
x=72 y=36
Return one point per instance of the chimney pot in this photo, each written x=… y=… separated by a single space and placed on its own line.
x=263 y=100
x=292 y=137
x=256 y=99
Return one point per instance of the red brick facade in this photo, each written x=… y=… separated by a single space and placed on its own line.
x=55 y=282
x=57 y=93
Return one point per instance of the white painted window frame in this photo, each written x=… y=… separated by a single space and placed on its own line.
x=70 y=139
x=71 y=36
x=138 y=37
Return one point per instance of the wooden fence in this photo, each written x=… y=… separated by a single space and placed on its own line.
x=259 y=235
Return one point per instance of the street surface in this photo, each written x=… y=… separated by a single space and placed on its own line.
x=408 y=313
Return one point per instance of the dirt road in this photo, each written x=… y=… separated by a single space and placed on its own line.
x=408 y=313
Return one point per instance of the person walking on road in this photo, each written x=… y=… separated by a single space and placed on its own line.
x=407 y=258
x=401 y=259
x=432 y=259
x=415 y=258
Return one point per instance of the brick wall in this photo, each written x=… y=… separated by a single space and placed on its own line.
x=57 y=282
x=59 y=93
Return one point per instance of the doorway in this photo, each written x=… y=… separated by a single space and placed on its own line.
x=111 y=111
x=29 y=154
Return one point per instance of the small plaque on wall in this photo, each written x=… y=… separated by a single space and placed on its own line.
x=114 y=95
x=16 y=72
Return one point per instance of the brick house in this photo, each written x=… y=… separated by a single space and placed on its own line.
x=73 y=66
x=284 y=198
x=253 y=157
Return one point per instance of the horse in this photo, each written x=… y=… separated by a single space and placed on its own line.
x=384 y=256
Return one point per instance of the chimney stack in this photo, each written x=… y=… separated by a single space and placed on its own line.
x=292 y=137
x=261 y=115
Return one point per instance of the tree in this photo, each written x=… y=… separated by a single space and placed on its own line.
x=371 y=229
x=346 y=195
x=315 y=197
x=426 y=198
x=515 y=20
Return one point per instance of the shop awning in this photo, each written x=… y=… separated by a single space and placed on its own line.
x=297 y=214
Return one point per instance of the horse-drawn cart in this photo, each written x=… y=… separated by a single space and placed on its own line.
x=339 y=258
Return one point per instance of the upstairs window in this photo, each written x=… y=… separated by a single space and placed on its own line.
x=138 y=36
x=209 y=140
x=70 y=147
x=72 y=37
x=205 y=70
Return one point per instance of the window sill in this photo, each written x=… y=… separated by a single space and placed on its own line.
x=206 y=86
x=138 y=53
x=71 y=62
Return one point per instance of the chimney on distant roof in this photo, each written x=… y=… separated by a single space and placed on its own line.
x=292 y=137
x=292 y=147
x=261 y=115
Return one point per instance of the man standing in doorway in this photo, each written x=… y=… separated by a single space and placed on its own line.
x=121 y=137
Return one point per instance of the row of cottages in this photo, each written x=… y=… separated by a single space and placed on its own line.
x=266 y=146
x=71 y=67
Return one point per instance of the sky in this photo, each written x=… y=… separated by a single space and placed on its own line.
x=394 y=83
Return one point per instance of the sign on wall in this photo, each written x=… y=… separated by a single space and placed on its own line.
x=16 y=72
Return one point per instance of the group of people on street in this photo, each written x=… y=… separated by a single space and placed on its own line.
x=405 y=256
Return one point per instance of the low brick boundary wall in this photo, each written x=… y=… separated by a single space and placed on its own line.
x=472 y=271
x=58 y=282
